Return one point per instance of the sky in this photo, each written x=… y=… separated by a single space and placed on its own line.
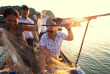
x=65 y=8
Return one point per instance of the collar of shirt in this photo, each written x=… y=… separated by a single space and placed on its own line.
x=27 y=20
x=22 y=17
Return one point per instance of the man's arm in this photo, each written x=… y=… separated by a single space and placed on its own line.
x=29 y=28
x=1 y=37
x=37 y=17
x=70 y=33
x=42 y=50
x=46 y=17
x=33 y=27
x=34 y=33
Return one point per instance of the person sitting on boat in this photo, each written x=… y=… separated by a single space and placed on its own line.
x=16 y=31
x=50 y=43
x=58 y=21
x=25 y=19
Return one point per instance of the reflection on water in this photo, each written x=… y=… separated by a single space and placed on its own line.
x=95 y=55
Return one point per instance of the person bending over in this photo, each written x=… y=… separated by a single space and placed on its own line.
x=50 y=43
x=16 y=30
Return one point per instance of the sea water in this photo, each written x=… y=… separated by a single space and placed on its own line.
x=95 y=54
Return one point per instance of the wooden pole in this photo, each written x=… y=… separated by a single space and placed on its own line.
x=82 y=42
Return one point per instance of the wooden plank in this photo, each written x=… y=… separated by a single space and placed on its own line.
x=67 y=57
x=77 y=24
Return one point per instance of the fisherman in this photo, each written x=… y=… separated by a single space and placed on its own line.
x=50 y=43
x=58 y=21
x=16 y=31
x=25 y=19
x=42 y=21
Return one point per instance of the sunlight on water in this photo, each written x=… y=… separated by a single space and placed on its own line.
x=95 y=55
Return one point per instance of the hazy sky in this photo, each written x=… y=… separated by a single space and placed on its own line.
x=65 y=8
x=68 y=8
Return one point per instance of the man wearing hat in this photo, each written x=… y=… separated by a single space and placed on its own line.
x=25 y=19
x=58 y=21
x=28 y=35
x=50 y=44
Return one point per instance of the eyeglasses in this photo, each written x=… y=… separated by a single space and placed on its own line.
x=50 y=31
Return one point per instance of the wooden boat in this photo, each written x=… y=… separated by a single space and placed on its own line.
x=72 y=69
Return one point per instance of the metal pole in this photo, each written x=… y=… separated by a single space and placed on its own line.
x=82 y=41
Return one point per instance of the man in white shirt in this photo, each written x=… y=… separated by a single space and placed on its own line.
x=50 y=44
x=42 y=21
x=24 y=19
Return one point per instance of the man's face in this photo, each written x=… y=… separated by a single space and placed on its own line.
x=58 y=21
x=25 y=12
x=51 y=31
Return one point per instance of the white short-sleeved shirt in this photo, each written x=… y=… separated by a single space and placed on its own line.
x=28 y=34
x=43 y=21
x=53 y=46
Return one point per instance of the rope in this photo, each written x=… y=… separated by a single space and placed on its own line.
x=3 y=52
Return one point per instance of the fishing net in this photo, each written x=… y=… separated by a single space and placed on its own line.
x=23 y=59
x=20 y=53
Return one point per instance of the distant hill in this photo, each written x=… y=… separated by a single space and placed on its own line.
x=32 y=12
